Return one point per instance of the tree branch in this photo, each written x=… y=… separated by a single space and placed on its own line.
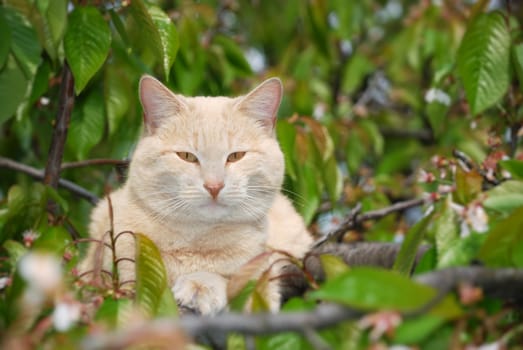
x=355 y=218
x=65 y=108
x=56 y=150
x=39 y=175
x=90 y=162
x=508 y=281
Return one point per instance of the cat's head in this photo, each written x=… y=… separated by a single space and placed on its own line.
x=210 y=159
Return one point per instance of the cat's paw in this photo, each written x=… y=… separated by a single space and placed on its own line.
x=202 y=291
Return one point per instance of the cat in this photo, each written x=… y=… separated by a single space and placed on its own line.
x=204 y=185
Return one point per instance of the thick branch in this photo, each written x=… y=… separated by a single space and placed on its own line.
x=56 y=150
x=39 y=175
x=65 y=108
x=323 y=316
x=509 y=281
x=499 y=283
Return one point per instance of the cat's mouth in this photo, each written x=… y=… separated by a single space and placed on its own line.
x=214 y=204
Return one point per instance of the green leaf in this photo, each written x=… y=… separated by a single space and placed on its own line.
x=233 y=53
x=286 y=136
x=333 y=179
x=462 y=252
x=414 y=331
x=119 y=25
x=355 y=151
x=308 y=192
x=157 y=33
x=118 y=96
x=15 y=250
x=40 y=82
x=24 y=42
x=13 y=87
x=506 y=197
x=237 y=303
x=373 y=134
x=368 y=288
x=502 y=247
x=114 y=312
x=468 y=185
x=427 y=262
x=26 y=207
x=167 y=306
x=5 y=38
x=87 y=125
x=409 y=248
x=483 y=61
x=54 y=24
x=283 y=341
x=356 y=69
x=333 y=266
x=446 y=230
x=168 y=38
x=517 y=59
x=513 y=166
x=87 y=41
x=153 y=293
x=53 y=239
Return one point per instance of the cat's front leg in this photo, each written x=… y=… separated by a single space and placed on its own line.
x=203 y=291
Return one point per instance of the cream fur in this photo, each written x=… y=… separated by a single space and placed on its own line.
x=203 y=240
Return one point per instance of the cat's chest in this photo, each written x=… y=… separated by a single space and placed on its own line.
x=222 y=255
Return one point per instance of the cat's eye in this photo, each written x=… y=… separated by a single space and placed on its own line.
x=235 y=156
x=188 y=157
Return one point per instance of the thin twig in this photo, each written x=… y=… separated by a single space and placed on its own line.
x=423 y=135
x=468 y=165
x=39 y=175
x=90 y=162
x=355 y=218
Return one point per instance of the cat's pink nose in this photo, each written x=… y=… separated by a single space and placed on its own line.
x=213 y=188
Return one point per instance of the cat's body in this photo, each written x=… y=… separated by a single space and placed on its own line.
x=204 y=185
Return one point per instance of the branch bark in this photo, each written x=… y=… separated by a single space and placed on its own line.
x=39 y=175
x=56 y=150
x=510 y=281
x=65 y=108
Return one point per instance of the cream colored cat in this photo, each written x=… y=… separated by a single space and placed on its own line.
x=204 y=184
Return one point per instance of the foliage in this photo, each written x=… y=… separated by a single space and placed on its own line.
x=384 y=100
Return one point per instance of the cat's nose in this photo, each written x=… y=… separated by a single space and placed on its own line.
x=213 y=188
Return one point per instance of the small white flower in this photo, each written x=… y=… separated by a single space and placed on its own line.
x=425 y=176
x=4 y=282
x=65 y=315
x=319 y=110
x=42 y=272
x=472 y=218
x=256 y=60
x=443 y=189
x=44 y=101
x=477 y=218
x=437 y=95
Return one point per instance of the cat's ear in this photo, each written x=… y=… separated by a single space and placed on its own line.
x=158 y=102
x=263 y=102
